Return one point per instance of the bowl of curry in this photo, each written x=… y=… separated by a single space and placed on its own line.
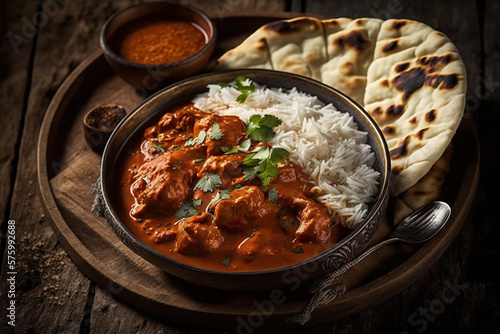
x=153 y=44
x=215 y=198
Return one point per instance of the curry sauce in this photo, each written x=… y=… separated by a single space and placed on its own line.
x=184 y=190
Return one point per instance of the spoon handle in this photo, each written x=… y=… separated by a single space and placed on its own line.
x=360 y=257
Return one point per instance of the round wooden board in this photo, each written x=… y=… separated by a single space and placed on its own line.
x=67 y=169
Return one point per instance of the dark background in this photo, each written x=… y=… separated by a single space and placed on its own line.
x=53 y=37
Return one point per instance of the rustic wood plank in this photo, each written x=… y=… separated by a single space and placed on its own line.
x=219 y=9
x=15 y=54
x=53 y=293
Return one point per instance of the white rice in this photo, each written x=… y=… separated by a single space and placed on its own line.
x=325 y=142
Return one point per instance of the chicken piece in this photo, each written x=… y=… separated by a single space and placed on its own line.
x=164 y=236
x=196 y=235
x=245 y=206
x=257 y=243
x=180 y=120
x=162 y=184
x=314 y=221
x=231 y=164
x=231 y=127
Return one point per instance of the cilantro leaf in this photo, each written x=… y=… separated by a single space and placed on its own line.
x=215 y=133
x=278 y=155
x=227 y=261
x=201 y=137
x=208 y=182
x=298 y=250
x=239 y=84
x=245 y=90
x=245 y=145
x=261 y=128
x=221 y=194
x=229 y=150
x=158 y=148
x=270 y=121
x=190 y=142
x=263 y=164
x=272 y=194
x=188 y=209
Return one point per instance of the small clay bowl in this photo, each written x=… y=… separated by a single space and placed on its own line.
x=99 y=123
x=146 y=77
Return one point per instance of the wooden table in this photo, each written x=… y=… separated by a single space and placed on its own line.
x=53 y=296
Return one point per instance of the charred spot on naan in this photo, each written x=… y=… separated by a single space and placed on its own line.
x=389 y=130
x=398 y=24
x=401 y=67
x=413 y=120
x=430 y=116
x=391 y=46
x=295 y=26
x=447 y=81
x=420 y=133
x=397 y=169
x=401 y=150
x=354 y=39
x=435 y=63
x=409 y=81
x=391 y=111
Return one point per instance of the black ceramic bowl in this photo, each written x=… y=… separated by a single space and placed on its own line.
x=153 y=77
x=326 y=261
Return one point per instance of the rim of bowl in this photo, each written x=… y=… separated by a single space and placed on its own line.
x=109 y=51
x=373 y=209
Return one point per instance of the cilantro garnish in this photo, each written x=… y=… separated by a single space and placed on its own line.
x=215 y=133
x=190 y=142
x=298 y=250
x=188 y=209
x=272 y=194
x=245 y=90
x=208 y=182
x=245 y=145
x=201 y=137
x=263 y=164
x=227 y=261
x=287 y=224
x=229 y=150
x=239 y=84
x=221 y=194
x=261 y=128
x=158 y=148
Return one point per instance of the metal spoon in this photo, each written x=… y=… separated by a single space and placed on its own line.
x=419 y=226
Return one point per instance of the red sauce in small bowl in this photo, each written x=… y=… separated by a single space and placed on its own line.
x=158 y=41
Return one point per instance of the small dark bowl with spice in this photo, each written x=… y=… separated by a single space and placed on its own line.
x=151 y=45
x=99 y=123
x=121 y=152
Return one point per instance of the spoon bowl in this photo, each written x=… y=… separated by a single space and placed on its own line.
x=424 y=223
x=420 y=226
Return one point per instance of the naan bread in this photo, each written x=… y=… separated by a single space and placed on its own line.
x=416 y=93
x=409 y=77
x=350 y=45
x=426 y=190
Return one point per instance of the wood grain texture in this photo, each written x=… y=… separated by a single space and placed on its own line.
x=18 y=36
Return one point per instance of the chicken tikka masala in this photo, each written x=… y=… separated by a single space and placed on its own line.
x=200 y=188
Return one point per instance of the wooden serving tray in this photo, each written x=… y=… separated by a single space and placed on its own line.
x=67 y=170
